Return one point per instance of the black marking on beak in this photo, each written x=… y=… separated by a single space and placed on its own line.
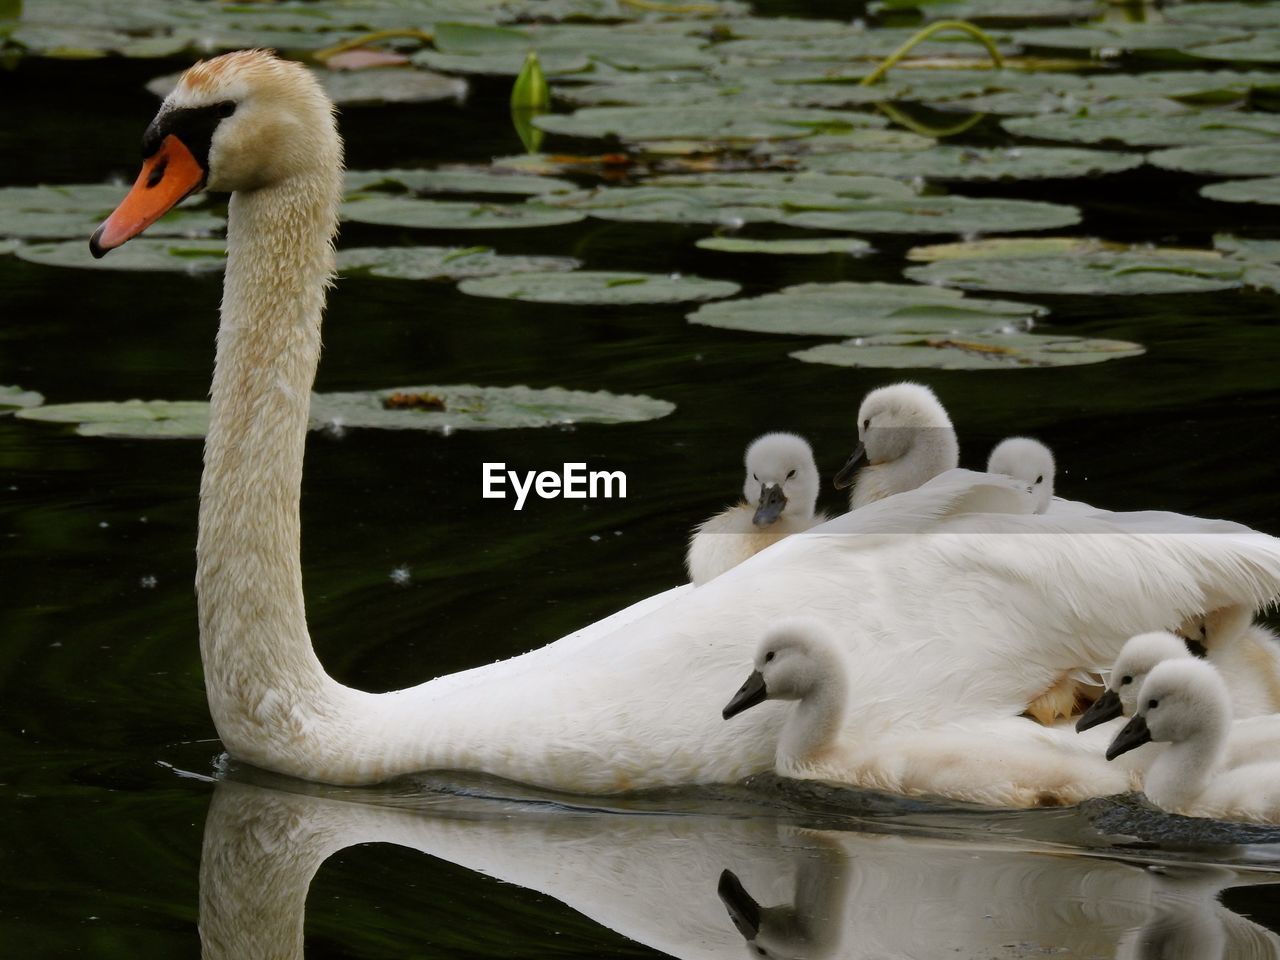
x=772 y=502
x=1106 y=707
x=1135 y=734
x=742 y=907
x=849 y=472
x=749 y=694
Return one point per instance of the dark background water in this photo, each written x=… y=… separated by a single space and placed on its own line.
x=100 y=837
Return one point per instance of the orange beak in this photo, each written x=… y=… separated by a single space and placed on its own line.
x=168 y=175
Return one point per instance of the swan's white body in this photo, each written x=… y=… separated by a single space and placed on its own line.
x=1029 y=461
x=781 y=463
x=964 y=621
x=908 y=440
x=1184 y=703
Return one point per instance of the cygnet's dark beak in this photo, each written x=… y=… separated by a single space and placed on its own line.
x=772 y=502
x=742 y=907
x=1134 y=734
x=849 y=472
x=1195 y=647
x=1106 y=707
x=749 y=694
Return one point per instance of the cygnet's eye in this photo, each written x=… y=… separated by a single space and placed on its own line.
x=1152 y=704
x=755 y=478
x=1125 y=681
x=866 y=424
x=791 y=474
x=226 y=108
x=1040 y=479
x=768 y=656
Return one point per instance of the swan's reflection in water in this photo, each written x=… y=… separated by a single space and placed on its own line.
x=713 y=886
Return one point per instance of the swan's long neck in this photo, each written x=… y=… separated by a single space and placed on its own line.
x=813 y=729
x=1184 y=771
x=934 y=450
x=257 y=652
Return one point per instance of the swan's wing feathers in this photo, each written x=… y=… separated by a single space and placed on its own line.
x=951 y=494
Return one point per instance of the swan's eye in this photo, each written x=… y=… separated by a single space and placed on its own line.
x=1040 y=479
x=791 y=474
x=226 y=108
x=768 y=656
x=1125 y=681
x=1152 y=704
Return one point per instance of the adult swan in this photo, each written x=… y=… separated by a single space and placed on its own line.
x=961 y=622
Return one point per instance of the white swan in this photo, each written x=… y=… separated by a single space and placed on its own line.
x=1029 y=461
x=906 y=438
x=1184 y=703
x=1247 y=654
x=779 y=495
x=969 y=619
x=1032 y=766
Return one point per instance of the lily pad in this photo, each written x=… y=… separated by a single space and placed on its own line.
x=702 y=122
x=1151 y=127
x=973 y=163
x=1262 y=190
x=1262 y=47
x=1124 y=36
x=454 y=407
x=939 y=215
x=1247 y=248
x=442 y=263
x=141 y=253
x=1124 y=272
x=13 y=398
x=799 y=246
x=978 y=351
x=456 y=180
x=454 y=214
x=1242 y=160
x=1196 y=85
x=597 y=287
x=852 y=309
x=1245 y=16
x=76 y=210
x=979 y=10
x=1009 y=247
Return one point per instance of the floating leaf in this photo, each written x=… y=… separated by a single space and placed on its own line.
x=852 y=309
x=1152 y=128
x=801 y=246
x=1181 y=84
x=1008 y=247
x=785 y=189
x=141 y=253
x=978 y=351
x=456 y=179
x=1123 y=36
x=1247 y=248
x=939 y=215
x=1245 y=16
x=597 y=287
x=454 y=214
x=1263 y=47
x=972 y=163
x=76 y=210
x=1242 y=160
x=130 y=418
x=435 y=263
x=1263 y=190
x=991 y=9
x=12 y=398
x=1106 y=272
x=702 y=122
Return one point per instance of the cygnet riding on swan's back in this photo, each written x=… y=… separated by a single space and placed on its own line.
x=1026 y=765
x=906 y=439
x=779 y=494
x=1184 y=703
x=964 y=623
x=1029 y=461
x=1246 y=654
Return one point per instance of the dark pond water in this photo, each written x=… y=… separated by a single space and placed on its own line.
x=122 y=828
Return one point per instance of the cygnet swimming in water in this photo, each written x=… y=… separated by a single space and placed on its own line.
x=906 y=439
x=1029 y=461
x=1006 y=762
x=779 y=494
x=1184 y=703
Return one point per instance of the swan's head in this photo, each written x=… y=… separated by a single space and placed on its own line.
x=896 y=420
x=782 y=478
x=1179 y=699
x=241 y=121
x=1028 y=461
x=794 y=659
x=1138 y=657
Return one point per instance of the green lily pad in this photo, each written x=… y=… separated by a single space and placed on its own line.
x=1263 y=47
x=1262 y=190
x=1245 y=16
x=799 y=246
x=978 y=351
x=698 y=121
x=1005 y=247
x=401 y=211
x=8 y=246
x=456 y=180
x=554 y=63
x=854 y=140
x=354 y=87
x=14 y=398
x=1151 y=128
x=979 y=10
x=939 y=215
x=141 y=253
x=1124 y=272
x=453 y=407
x=972 y=163
x=76 y=210
x=1123 y=36
x=442 y=263
x=854 y=309
x=776 y=187
x=726 y=206
x=1247 y=248
x=1242 y=160
x=598 y=287
x=1196 y=85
